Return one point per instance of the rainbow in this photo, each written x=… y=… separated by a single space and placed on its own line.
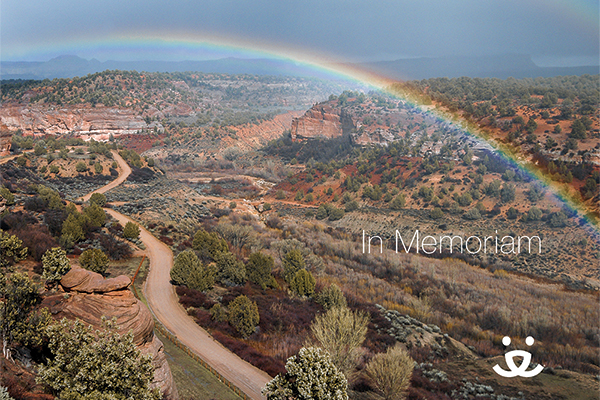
x=140 y=45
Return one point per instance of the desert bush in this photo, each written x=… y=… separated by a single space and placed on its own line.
x=390 y=373
x=398 y=203
x=81 y=167
x=341 y=332
x=20 y=322
x=116 y=249
x=55 y=264
x=436 y=213
x=94 y=260
x=218 y=313
x=193 y=298
x=335 y=214
x=274 y=222
x=310 y=375
x=472 y=214
x=8 y=196
x=240 y=236
x=114 y=367
x=243 y=315
x=37 y=239
x=351 y=205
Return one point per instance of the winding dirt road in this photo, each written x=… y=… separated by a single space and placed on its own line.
x=163 y=302
x=125 y=172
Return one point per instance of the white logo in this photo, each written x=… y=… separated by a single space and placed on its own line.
x=521 y=370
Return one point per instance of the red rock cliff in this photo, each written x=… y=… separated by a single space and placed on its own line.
x=321 y=121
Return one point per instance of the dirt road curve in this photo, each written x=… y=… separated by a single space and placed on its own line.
x=162 y=300
x=125 y=171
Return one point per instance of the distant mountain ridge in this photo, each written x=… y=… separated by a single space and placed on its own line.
x=503 y=66
x=500 y=66
x=70 y=66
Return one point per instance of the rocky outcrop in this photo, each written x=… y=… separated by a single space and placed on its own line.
x=82 y=120
x=320 y=121
x=89 y=297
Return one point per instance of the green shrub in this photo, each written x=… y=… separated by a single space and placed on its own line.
x=311 y=372
x=230 y=271
x=330 y=297
x=209 y=245
x=81 y=167
x=55 y=264
x=8 y=196
x=131 y=230
x=98 y=198
x=94 y=260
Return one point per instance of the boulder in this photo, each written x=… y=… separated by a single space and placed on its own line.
x=89 y=297
x=84 y=281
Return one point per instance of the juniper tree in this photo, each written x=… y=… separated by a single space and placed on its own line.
x=303 y=283
x=243 y=315
x=259 y=269
x=94 y=260
x=131 y=230
x=292 y=263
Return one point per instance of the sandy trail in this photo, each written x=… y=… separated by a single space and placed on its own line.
x=163 y=302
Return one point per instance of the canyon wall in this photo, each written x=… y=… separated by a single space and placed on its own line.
x=82 y=120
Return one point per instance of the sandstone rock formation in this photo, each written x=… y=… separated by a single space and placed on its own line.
x=89 y=297
x=83 y=120
x=320 y=121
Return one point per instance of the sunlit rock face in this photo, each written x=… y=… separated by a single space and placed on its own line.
x=89 y=297
x=320 y=121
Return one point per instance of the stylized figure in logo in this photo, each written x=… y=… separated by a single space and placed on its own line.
x=521 y=370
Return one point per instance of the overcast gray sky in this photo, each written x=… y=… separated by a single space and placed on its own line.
x=554 y=32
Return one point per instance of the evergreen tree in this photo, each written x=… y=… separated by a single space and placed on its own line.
x=230 y=271
x=243 y=315
x=292 y=263
x=94 y=260
x=303 y=283
x=258 y=269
